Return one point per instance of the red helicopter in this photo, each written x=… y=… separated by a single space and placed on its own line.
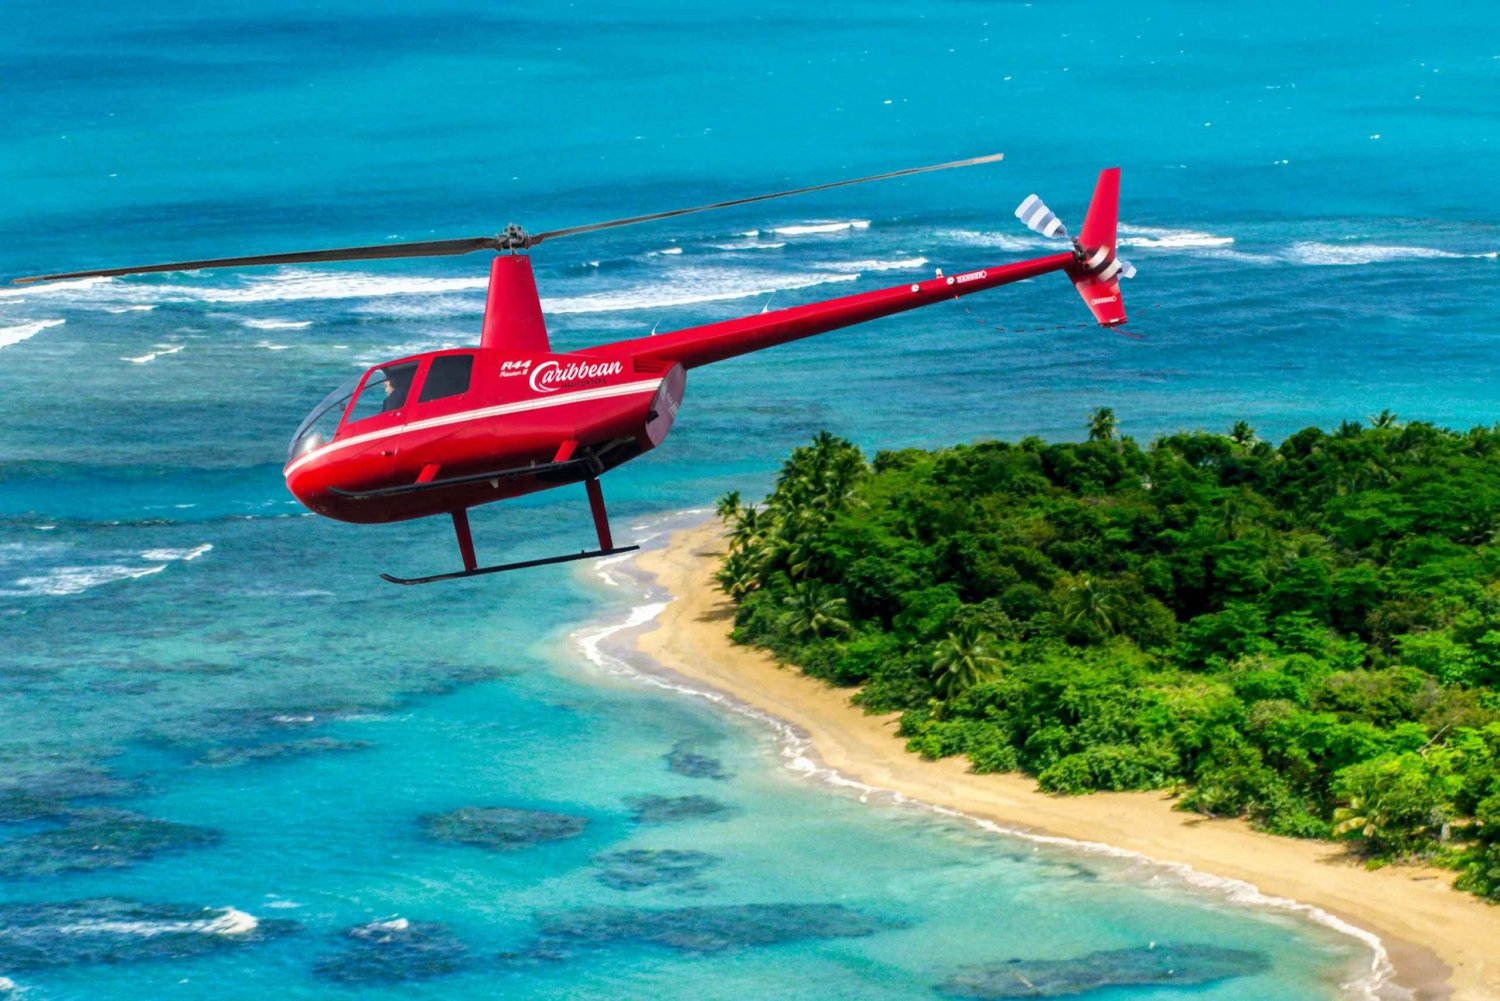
x=441 y=432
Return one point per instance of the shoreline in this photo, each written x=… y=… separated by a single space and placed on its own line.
x=1433 y=941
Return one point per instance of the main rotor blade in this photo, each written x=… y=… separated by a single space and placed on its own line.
x=513 y=239
x=429 y=248
x=593 y=227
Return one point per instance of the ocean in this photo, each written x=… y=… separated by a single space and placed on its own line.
x=234 y=762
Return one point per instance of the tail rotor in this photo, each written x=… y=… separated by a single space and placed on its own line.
x=1096 y=268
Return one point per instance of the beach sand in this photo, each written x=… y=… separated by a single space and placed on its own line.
x=1441 y=942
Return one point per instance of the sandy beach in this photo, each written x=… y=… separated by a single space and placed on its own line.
x=1441 y=942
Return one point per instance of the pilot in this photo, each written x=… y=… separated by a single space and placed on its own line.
x=397 y=382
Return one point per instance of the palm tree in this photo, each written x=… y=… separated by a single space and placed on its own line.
x=750 y=529
x=1241 y=433
x=727 y=506
x=964 y=659
x=812 y=611
x=1086 y=604
x=1385 y=419
x=739 y=575
x=1102 y=425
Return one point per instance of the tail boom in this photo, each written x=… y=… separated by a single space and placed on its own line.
x=713 y=342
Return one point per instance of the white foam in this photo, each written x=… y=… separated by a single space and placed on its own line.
x=688 y=286
x=750 y=245
x=820 y=228
x=229 y=922
x=150 y=356
x=67 y=580
x=53 y=288
x=20 y=332
x=168 y=555
x=1170 y=239
x=1370 y=253
x=129 y=309
x=267 y=345
x=394 y=924
x=76 y=580
x=668 y=251
x=798 y=755
x=898 y=264
x=1001 y=241
x=284 y=285
x=277 y=324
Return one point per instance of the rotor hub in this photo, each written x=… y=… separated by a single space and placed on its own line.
x=513 y=239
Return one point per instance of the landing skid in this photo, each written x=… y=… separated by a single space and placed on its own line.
x=472 y=568
x=501 y=568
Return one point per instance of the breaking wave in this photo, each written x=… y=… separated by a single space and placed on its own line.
x=277 y=324
x=898 y=264
x=982 y=238
x=286 y=285
x=1372 y=253
x=687 y=287
x=1170 y=239
x=819 y=228
x=228 y=922
x=20 y=332
x=170 y=555
x=750 y=245
x=161 y=349
x=68 y=580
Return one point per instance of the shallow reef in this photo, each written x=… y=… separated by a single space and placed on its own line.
x=1161 y=965
x=638 y=868
x=671 y=809
x=53 y=794
x=684 y=759
x=501 y=828
x=229 y=756
x=111 y=930
x=384 y=952
x=702 y=929
x=98 y=839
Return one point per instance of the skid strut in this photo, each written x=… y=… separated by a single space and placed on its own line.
x=471 y=564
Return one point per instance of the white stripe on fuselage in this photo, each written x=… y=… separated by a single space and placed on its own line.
x=581 y=396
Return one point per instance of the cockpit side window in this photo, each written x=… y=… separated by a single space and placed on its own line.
x=385 y=390
x=448 y=376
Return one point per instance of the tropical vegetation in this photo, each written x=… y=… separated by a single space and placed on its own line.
x=1306 y=635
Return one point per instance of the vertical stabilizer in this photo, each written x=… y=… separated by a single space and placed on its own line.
x=1104 y=212
x=1096 y=275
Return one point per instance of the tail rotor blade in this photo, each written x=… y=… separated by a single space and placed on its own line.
x=1040 y=219
x=1127 y=270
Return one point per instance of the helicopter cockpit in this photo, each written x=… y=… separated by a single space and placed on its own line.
x=382 y=389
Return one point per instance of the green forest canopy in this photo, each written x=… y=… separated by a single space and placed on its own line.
x=1305 y=635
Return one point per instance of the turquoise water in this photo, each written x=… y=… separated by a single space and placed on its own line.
x=215 y=695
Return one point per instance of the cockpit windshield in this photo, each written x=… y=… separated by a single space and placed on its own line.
x=323 y=421
x=385 y=390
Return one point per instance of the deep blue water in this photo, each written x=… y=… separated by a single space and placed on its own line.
x=208 y=699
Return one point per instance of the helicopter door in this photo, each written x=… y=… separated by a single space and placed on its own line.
x=379 y=407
